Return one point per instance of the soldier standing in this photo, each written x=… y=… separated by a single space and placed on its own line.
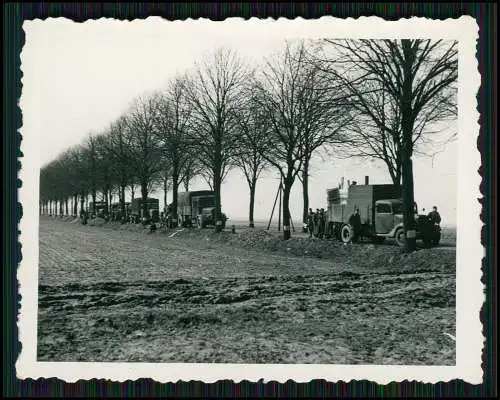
x=322 y=223
x=316 y=223
x=434 y=216
x=310 y=222
x=355 y=222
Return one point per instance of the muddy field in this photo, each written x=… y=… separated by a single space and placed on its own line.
x=118 y=293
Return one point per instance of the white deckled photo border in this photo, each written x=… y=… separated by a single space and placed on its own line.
x=469 y=289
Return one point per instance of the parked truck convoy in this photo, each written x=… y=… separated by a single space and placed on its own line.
x=197 y=208
x=380 y=209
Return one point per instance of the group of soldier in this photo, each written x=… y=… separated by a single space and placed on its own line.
x=317 y=223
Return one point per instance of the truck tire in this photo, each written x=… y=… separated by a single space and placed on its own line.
x=399 y=237
x=347 y=233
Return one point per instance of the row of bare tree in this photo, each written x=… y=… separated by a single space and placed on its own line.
x=369 y=98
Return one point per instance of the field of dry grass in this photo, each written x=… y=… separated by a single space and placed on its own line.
x=118 y=293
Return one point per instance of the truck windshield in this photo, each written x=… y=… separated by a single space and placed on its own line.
x=206 y=201
x=397 y=208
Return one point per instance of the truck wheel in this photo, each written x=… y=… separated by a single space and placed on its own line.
x=400 y=237
x=347 y=233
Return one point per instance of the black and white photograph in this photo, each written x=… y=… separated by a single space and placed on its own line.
x=250 y=199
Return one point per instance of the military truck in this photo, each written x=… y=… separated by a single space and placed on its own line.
x=117 y=213
x=197 y=208
x=100 y=208
x=381 y=212
x=152 y=210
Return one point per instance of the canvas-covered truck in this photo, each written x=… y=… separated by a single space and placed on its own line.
x=197 y=208
x=145 y=210
x=381 y=212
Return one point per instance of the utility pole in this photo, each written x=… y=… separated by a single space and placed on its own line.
x=280 y=189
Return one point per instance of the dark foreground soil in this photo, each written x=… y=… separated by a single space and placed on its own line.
x=117 y=293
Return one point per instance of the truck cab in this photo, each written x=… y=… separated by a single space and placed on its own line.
x=206 y=218
x=389 y=222
x=388 y=216
x=197 y=208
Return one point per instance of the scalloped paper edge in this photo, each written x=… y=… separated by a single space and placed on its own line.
x=470 y=252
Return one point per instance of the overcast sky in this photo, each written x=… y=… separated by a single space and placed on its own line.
x=79 y=77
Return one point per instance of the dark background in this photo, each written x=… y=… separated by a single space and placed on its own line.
x=13 y=39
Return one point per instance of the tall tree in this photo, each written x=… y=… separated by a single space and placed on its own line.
x=417 y=78
x=106 y=170
x=172 y=124
x=254 y=130
x=299 y=110
x=119 y=148
x=144 y=147
x=215 y=92
x=326 y=115
x=90 y=157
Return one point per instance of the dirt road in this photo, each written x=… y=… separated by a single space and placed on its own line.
x=116 y=295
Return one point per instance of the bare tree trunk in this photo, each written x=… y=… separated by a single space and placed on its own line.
x=252 y=202
x=106 y=199
x=144 y=195
x=305 y=193
x=407 y=131
x=217 y=186
x=66 y=206
x=94 y=200
x=165 y=190
x=175 y=195
x=287 y=187
x=75 y=204
x=82 y=203
x=61 y=209
x=122 y=199
x=110 y=200
x=408 y=205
